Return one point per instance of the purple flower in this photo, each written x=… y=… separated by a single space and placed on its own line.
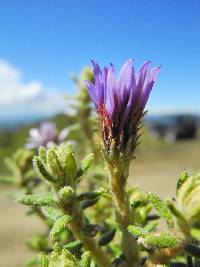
x=120 y=103
x=46 y=135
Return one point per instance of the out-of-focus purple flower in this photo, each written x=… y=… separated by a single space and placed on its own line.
x=46 y=135
x=120 y=103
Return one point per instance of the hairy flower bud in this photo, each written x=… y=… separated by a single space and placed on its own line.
x=120 y=104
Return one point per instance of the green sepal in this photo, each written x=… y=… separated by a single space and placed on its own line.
x=60 y=225
x=41 y=170
x=163 y=240
x=85 y=164
x=46 y=199
x=107 y=237
x=85 y=259
x=161 y=208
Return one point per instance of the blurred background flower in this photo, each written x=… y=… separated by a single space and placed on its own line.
x=46 y=135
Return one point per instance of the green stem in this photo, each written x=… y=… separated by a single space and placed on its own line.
x=117 y=180
x=77 y=226
x=89 y=244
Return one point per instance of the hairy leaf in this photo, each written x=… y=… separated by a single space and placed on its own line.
x=37 y=200
x=60 y=225
x=183 y=177
x=8 y=180
x=163 y=240
x=74 y=246
x=107 y=237
x=43 y=154
x=161 y=208
x=85 y=259
x=137 y=231
x=44 y=261
x=41 y=170
x=85 y=164
x=51 y=213
x=54 y=165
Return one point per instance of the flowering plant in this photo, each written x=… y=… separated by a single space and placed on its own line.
x=102 y=222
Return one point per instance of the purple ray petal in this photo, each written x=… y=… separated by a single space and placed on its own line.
x=92 y=92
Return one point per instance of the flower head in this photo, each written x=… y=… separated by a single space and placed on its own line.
x=46 y=135
x=120 y=103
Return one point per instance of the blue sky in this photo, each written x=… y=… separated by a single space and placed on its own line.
x=44 y=41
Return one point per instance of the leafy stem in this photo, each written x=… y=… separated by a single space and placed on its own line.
x=117 y=179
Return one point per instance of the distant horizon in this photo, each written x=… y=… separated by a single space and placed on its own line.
x=13 y=122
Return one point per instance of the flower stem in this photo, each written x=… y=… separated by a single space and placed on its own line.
x=117 y=180
x=77 y=227
x=99 y=256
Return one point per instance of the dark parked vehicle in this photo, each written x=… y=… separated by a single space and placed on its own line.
x=172 y=128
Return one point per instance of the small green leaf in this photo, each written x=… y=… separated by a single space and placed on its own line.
x=150 y=227
x=91 y=194
x=51 y=213
x=60 y=225
x=54 y=165
x=88 y=203
x=85 y=164
x=74 y=246
x=62 y=257
x=68 y=161
x=195 y=233
x=107 y=237
x=161 y=208
x=181 y=220
x=42 y=171
x=87 y=195
x=163 y=240
x=90 y=230
x=85 y=259
x=43 y=154
x=44 y=261
x=183 y=177
x=137 y=231
x=37 y=200
x=8 y=180
x=67 y=255
x=32 y=262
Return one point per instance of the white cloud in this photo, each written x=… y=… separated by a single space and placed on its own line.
x=18 y=98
